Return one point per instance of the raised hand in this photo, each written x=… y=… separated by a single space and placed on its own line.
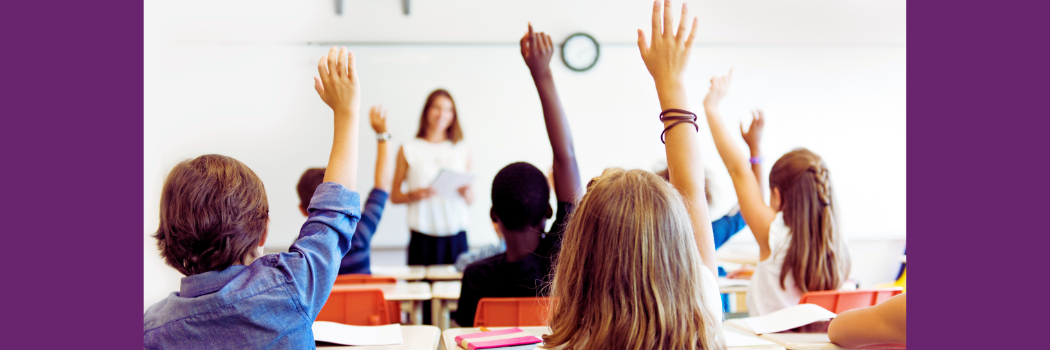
x=753 y=135
x=377 y=115
x=537 y=50
x=719 y=89
x=337 y=84
x=668 y=54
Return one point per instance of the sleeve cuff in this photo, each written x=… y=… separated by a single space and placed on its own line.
x=332 y=196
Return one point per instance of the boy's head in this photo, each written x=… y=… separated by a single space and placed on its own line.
x=213 y=214
x=308 y=183
x=520 y=197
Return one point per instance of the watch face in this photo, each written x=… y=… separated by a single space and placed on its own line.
x=579 y=52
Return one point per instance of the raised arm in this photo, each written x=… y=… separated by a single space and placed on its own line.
x=666 y=58
x=753 y=136
x=338 y=86
x=537 y=49
x=886 y=323
x=755 y=211
x=384 y=177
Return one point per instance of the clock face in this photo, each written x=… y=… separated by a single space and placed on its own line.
x=579 y=52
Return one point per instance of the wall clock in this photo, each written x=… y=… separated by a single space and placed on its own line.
x=579 y=52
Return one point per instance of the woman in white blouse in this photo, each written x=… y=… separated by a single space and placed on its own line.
x=438 y=224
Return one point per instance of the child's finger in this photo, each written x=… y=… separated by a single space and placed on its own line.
x=333 y=54
x=547 y=41
x=668 y=19
x=351 y=64
x=340 y=68
x=742 y=133
x=322 y=68
x=318 y=86
x=692 y=34
x=680 y=35
x=643 y=47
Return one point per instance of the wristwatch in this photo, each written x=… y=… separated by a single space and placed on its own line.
x=383 y=136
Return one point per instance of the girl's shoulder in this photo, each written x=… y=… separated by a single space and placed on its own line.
x=778 y=231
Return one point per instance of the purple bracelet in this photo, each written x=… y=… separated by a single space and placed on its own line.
x=756 y=160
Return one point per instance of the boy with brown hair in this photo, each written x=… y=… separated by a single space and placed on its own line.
x=214 y=215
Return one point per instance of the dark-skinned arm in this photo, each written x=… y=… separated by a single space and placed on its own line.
x=537 y=49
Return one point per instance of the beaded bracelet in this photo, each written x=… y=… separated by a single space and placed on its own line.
x=680 y=119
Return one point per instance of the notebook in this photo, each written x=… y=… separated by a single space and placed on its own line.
x=338 y=333
x=785 y=319
x=497 y=339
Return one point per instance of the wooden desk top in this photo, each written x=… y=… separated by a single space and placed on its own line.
x=402 y=272
x=393 y=291
x=446 y=290
x=415 y=338
x=443 y=273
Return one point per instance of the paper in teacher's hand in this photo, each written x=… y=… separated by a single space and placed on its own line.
x=448 y=182
x=788 y=318
x=338 y=333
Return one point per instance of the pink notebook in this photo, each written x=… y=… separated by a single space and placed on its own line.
x=496 y=339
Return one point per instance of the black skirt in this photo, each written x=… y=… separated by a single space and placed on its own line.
x=429 y=250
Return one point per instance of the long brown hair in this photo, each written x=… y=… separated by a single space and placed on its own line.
x=213 y=212
x=628 y=275
x=453 y=133
x=817 y=257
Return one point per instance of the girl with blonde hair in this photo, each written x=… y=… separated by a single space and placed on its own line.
x=637 y=263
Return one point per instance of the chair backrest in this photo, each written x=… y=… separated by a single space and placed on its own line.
x=366 y=307
x=511 y=312
x=839 y=301
x=363 y=279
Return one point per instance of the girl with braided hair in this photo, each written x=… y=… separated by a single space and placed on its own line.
x=800 y=246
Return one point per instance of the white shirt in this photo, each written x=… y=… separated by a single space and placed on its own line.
x=435 y=216
x=765 y=295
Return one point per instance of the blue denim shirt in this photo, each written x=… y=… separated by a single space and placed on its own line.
x=727 y=226
x=270 y=304
x=357 y=259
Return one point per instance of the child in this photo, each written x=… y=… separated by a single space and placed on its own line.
x=637 y=265
x=886 y=323
x=521 y=203
x=357 y=260
x=800 y=246
x=213 y=215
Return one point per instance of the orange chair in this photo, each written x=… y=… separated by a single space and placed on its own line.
x=393 y=307
x=511 y=312
x=839 y=301
x=363 y=279
x=365 y=307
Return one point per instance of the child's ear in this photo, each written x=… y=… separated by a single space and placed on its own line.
x=550 y=211
x=492 y=215
x=303 y=210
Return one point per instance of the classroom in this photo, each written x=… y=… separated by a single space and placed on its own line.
x=488 y=175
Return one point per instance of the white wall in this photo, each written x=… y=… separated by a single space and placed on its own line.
x=235 y=78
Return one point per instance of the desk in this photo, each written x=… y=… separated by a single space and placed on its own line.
x=415 y=338
x=443 y=273
x=790 y=341
x=405 y=292
x=448 y=337
x=446 y=295
x=737 y=256
x=403 y=272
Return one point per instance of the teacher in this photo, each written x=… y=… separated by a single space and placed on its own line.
x=438 y=224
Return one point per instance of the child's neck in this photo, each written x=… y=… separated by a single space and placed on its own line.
x=521 y=244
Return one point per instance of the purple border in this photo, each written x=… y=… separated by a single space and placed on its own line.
x=976 y=172
x=72 y=102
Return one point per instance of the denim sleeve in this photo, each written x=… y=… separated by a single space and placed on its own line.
x=312 y=263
